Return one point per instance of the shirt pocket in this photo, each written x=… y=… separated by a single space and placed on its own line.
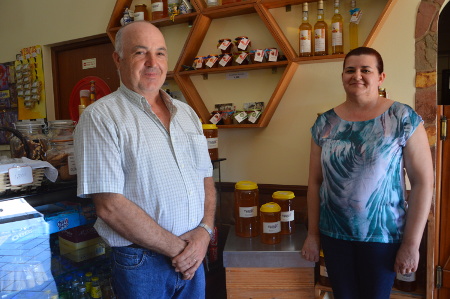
x=198 y=150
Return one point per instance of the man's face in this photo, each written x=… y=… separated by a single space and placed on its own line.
x=143 y=65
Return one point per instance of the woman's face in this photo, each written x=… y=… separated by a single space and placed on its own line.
x=361 y=77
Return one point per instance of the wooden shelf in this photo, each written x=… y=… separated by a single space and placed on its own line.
x=201 y=20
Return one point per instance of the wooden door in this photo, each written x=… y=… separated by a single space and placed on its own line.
x=68 y=69
x=444 y=218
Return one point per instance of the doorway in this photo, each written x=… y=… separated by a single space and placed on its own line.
x=76 y=61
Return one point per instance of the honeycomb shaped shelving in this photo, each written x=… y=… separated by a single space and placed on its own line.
x=200 y=21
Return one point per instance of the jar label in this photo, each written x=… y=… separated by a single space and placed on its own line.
x=248 y=212
x=212 y=143
x=225 y=59
x=305 y=41
x=271 y=227
x=319 y=37
x=158 y=6
x=243 y=43
x=259 y=55
x=211 y=61
x=241 y=116
x=323 y=271
x=224 y=45
x=273 y=54
x=139 y=16
x=287 y=216
x=336 y=34
x=253 y=116
x=410 y=277
x=241 y=57
x=72 y=166
x=216 y=118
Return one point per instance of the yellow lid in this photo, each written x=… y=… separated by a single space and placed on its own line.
x=246 y=185
x=209 y=126
x=270 y=207
x=88 y=274
x=321 y=253
x=283 y=195
x=94 y=278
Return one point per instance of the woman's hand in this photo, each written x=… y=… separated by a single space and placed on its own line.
x=311 y=247
x=407 y=260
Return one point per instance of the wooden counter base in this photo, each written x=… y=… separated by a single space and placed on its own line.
x=258 y=283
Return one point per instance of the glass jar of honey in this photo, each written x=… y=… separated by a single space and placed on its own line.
x=159 y=9
x=225 y=45
x=140 y=12
x=246 y=202
x=225 y=60
x=211 y=133
x=270 y=223
x=285 y=200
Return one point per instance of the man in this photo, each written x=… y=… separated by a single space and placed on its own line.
x=143 y=159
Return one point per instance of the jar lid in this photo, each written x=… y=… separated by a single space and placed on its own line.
x=246 y=185
x=209 y=126
x=321 y=253
x=270 y=207
x=283 y=195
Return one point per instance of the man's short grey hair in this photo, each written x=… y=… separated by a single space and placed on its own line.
x=118 y=44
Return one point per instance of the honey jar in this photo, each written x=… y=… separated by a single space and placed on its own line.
x=270 y=223
x=225 y=45
x=241 y=57
x=199 y=63
x=211 y=133
x=212 y=61
x=140 y=12
x=242 y=43
x=225 y=60
x=159 y=9
x=285 y=200
x=323 y=274
x=246 y=202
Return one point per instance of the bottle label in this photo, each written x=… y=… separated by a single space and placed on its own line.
x=411 y=277
x=72 y=166
x=212 y=143
x=319 y=36
x=287 y=216
x=305 y=41
x=271 y=227
x=248 y=212
x=323 y=271
x=157 y=6
x=356 y=15
x=336 y=34
x=139 y=16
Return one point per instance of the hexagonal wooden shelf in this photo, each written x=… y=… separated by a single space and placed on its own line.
x=201 y=20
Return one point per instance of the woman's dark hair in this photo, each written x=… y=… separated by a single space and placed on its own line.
x=367 y=51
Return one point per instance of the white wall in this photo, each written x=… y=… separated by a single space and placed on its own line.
x=278 y=154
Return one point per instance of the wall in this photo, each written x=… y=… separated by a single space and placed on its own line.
x=278 y=154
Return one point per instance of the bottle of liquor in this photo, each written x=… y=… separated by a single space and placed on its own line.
x=353 y=26
x=305 y=30
x=320 y=32
x=337 y=39
x=93 y=92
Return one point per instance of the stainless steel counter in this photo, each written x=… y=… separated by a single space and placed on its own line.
x=251 y=252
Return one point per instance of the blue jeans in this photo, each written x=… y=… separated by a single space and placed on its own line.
x=141 y=273
x=359 y=270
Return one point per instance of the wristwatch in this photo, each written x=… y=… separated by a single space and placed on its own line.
x=207 y=228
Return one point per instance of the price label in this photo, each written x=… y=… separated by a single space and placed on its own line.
x=20 y=175
x=241 y=75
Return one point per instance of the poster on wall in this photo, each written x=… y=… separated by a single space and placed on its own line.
x=8 y=99
x=30 y=83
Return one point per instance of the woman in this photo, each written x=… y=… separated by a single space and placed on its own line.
x=356 y=189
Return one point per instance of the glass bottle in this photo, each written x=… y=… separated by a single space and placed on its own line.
x=305 y=29
x=285 y=200
x=159 y=9
x=320 y=32
x=96 y=291
x=337 y=32
x=82 y=293
x=353 y=25
x=270 y=223
x=88 y=281
x=211 y=133
x=33 y=135
x=246 y=202
x=93 y=92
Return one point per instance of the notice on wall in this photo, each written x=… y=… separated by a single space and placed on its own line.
x=29 y=73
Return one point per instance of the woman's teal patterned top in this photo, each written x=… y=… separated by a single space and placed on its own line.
x=362 y=196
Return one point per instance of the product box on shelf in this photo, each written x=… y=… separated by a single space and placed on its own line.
x=25 y=256
x=84 y=253
x=79 y=234
x=86 y=210
x=59 y=218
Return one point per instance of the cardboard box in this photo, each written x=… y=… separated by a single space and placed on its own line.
x=78 y=245
x=58 y=218
x=79 y=234
x=82 y=254
x=86 y=210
